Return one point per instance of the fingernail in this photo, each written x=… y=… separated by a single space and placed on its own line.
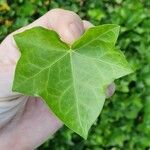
x=110 y=90
x=75 y=30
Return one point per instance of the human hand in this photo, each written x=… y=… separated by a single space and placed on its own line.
x=25 y=122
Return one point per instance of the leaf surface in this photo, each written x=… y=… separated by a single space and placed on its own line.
x=71 y=79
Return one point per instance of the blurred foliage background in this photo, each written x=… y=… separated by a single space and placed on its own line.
x=124 y=123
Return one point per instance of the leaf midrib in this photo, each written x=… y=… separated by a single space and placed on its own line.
x=76 y=96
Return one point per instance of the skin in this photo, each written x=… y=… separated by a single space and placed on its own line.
x=30 y=122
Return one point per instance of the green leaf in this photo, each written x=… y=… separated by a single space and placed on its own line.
x=71 y=79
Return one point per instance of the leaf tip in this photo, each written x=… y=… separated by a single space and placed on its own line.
x=131 y=69
x=84 y=135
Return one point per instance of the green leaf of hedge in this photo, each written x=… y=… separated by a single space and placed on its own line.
x=71 y=79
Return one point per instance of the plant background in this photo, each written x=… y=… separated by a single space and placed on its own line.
x=124 y=123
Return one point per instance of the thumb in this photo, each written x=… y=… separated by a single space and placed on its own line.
x=66 y=23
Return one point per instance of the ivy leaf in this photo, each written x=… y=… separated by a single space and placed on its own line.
x=71 y=79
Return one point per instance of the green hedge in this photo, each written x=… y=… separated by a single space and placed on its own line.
x=124 y=123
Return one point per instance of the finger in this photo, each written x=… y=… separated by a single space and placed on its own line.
x=87 y=24
x=66 y=23
x=110 y=90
